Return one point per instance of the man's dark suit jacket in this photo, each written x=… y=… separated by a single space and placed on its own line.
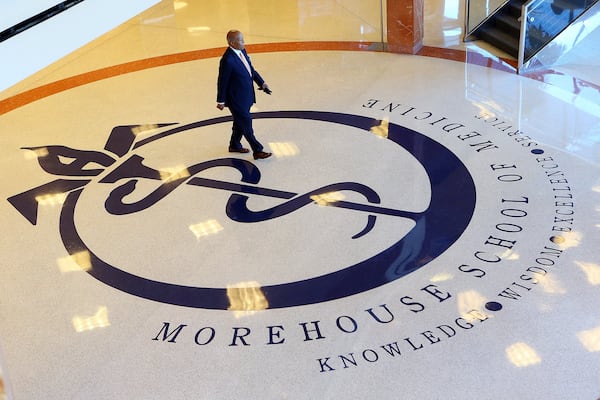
x=234 y=85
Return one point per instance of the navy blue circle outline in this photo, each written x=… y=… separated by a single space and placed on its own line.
x=452 y=204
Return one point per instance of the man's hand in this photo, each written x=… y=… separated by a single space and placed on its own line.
x=265 y=88
x=220 y=106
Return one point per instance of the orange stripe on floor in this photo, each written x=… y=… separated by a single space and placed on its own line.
x=49 y=89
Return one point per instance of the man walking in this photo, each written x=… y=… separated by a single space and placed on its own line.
x=235 y=90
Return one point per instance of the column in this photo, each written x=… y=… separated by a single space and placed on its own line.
x=405 y=26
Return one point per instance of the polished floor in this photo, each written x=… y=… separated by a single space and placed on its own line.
x=427 y=227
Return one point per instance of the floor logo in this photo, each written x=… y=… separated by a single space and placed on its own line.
x=435 y=229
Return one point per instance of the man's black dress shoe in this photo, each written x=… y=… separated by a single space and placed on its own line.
x=261 y=154
x=240 y=150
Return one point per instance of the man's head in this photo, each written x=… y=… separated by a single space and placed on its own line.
x=235 y=39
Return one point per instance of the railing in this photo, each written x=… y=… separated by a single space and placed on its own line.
x=478 y=12
x=36 y=19
x=552 y=23
x=549 y=28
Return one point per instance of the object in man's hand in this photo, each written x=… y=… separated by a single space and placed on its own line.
x=266 y=90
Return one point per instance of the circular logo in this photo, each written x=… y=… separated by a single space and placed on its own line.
x=450 y=208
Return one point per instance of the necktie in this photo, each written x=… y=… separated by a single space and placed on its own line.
x=245 y=63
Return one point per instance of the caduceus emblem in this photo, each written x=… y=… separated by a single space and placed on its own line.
x=66 y=161
x=124 y=168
